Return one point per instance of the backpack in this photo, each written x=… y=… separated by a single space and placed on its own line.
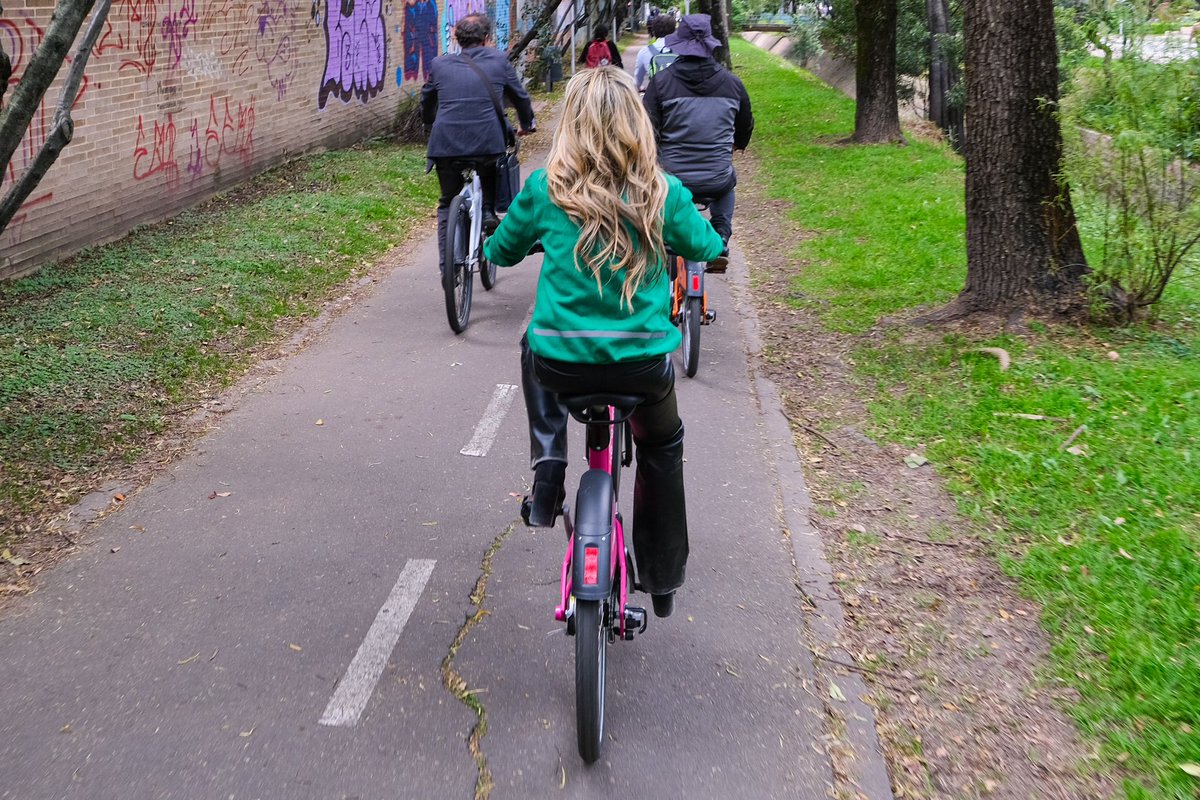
x=661 y=59
x=598 y=54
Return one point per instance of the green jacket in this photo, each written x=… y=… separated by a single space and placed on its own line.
x=573 y=319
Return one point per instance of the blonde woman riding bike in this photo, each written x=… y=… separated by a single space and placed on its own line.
x=603 y=211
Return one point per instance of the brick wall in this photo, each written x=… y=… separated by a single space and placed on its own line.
x=185 y=98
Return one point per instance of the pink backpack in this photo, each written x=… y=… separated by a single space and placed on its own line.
x=598 y=54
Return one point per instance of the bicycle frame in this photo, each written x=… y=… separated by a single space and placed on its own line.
x=595 y=541
x=472 y=192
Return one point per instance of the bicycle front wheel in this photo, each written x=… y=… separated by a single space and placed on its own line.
x=590 y=662
x=456 y=265
x=691 y=335
x=487 y=270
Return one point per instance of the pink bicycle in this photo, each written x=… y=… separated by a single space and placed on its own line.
x=598 y=570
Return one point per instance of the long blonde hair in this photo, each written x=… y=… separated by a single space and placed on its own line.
x=603 y=172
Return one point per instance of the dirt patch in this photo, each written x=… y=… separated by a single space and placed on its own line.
x=955 y=656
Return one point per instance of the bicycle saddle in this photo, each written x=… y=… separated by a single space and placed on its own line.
x=581 y=405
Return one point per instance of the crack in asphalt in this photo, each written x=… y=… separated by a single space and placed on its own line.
x=454 y=682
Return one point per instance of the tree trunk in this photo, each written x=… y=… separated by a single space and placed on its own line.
x=877 y=114
x=1023 y=247
x=943 y=75
x=39 y=74
x=543 y=17
x=720 y=27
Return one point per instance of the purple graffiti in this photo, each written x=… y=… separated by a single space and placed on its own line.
x=356 y=51
x=175 y=29
x=420 y=37
x=195 y=165
x=275 y=46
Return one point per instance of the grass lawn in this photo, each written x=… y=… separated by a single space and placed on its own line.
x=96 y=353
x=1103 y=533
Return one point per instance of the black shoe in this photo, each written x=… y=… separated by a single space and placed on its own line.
x=490 y=222
x=719 y=264
x=544 y=504
x=664 y=604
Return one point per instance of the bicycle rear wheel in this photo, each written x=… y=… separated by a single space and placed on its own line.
x=591 y=642
x=456 y=266
x=691 y=335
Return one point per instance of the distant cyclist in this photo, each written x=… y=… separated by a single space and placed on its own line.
x=661 y=26
x=465 y=129
x=701 y=114
x=601 y=51
x=603 y=209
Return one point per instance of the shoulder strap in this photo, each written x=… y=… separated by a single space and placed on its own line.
x=504 y=128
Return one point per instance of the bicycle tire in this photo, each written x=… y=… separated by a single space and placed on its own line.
x=487 y=270
x=691 y=335
x=456 y=266
x=590 y=666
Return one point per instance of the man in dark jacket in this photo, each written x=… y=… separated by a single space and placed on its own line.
x=466 y=131
x=701 y=114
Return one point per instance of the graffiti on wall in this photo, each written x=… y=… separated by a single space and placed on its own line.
x=20 y=39
x=231 y=22
x=420 y=37
x=456 y=10
x=275 y=46
x=154 y=152
x=229 y=132
x=500 y=12
x=131 y=30
x=175 y=29
x=355 y=50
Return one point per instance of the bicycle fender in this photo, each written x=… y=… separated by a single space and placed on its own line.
x=591 y=578
x=695 y=278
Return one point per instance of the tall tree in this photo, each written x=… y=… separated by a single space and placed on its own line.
x=877 y=113
x=1023 y=246
x=943 y=73
x=26 y=98
x=720 y=26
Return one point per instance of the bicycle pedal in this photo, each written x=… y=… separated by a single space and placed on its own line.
x=635 y=621
x=710 y=316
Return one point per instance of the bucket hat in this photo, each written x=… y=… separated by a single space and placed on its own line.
x=693 y=37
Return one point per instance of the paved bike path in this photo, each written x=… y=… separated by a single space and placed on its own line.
x=194 y=647
x=709 y=703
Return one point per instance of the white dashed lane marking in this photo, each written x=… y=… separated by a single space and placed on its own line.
x=489 y=426
x=352 y=694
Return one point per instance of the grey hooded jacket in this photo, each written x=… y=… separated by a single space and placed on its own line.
x=701 y=113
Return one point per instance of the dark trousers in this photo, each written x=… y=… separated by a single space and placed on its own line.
x=450 y=180
x=660 y=540
x=720 y=206
x=720 y=213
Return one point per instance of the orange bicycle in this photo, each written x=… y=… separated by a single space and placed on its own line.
x=689 y=307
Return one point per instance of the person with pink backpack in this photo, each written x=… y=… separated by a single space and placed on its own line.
x=601 y=51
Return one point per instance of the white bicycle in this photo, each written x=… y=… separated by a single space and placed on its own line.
x=463 y=256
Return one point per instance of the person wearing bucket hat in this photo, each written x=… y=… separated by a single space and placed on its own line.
x=701 y=113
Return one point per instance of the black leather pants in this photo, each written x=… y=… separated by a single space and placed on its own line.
x=660 y=541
